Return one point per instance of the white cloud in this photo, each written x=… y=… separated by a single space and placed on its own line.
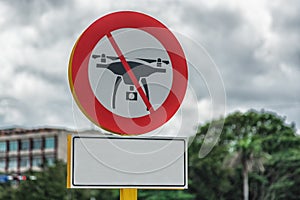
x=255 y=45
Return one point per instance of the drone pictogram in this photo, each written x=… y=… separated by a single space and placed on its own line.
x=141 y=68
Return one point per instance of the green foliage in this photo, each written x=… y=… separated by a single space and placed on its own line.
x=50 y=185
x=208 y=178
x=164 y=195
x=7 y=193
x=253 y=134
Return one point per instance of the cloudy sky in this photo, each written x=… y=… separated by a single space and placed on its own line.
x=254 y=45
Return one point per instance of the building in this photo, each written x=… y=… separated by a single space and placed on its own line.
x=31 y=149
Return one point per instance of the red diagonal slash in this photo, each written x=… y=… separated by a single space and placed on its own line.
x=129 y=71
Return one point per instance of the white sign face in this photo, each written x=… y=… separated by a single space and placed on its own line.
x=127 y=162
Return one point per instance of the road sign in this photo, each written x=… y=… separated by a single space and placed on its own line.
x=101 y=69
x=126 y=162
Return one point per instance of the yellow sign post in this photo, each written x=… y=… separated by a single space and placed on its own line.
x=128 y=194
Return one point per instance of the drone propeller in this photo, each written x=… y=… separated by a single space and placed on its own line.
x=109 y=57
x=96 y=56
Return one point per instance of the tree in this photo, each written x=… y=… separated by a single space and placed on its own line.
x=248 y=153
x=7 y=192
x=50 y=184
x=165 y=195
x=208 y=178
x=251 y=138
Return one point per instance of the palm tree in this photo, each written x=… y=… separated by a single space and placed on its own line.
x=247 y=153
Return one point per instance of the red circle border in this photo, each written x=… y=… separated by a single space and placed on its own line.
x=82 y=91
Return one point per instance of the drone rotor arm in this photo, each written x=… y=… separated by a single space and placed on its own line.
x=113 y=57
x=145 y=86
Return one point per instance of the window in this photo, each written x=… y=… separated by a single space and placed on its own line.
x=13 y=145
x=25 y=162
x=25 y=145
x=37 y=143
x=12 y=164
x=50 y=160
x=3 y=146
x=50 y=143
x=2 y=163
x=37 y=161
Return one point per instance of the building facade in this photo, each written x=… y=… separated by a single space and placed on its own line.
x=31 y=149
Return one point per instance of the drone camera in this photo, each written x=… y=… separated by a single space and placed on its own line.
x=131 y=96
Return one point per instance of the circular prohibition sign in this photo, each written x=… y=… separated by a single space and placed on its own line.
x=81 y=88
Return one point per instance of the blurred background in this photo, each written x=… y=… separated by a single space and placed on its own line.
x=254 y=47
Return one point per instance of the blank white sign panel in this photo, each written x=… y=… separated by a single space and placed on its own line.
x=120 y=162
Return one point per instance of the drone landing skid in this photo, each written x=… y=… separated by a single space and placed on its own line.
x=117 y=83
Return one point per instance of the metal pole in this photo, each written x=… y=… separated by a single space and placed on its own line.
x=128 y=194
